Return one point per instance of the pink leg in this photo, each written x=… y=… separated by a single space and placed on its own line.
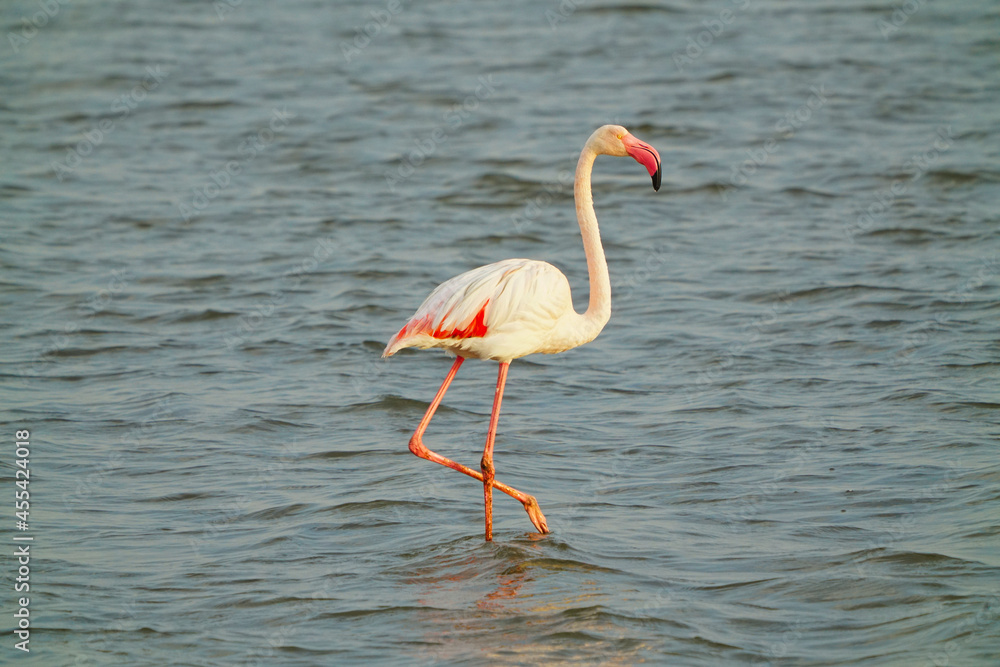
x=418 y=448
x=486 y=465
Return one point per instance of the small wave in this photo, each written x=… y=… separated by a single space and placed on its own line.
x=557 y=564
x=324 y=456
x=952 y=178
x=179 y=497
x=810 y=192
x=907 y=235
x=921 y=559
x=91 y=352
x=830 y=292
x=204 y=316
x=198 y=105
x=279 y=512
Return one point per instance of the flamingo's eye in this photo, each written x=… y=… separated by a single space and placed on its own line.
x=620 y=136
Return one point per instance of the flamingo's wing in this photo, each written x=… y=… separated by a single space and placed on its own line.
x=473 y=304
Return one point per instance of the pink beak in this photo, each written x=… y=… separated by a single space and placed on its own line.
x=645 y=155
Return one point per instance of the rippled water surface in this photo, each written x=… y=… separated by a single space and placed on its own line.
x=781 y=450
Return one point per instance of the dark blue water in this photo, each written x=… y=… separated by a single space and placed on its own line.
x=781 y=450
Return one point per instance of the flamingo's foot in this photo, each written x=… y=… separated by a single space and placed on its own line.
x=535 y=514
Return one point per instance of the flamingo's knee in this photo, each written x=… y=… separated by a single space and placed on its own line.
x=487 y=467
x=417 y=447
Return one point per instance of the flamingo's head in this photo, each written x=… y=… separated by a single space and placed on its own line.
x=616 y=140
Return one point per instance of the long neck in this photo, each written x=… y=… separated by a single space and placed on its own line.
x=599 y=310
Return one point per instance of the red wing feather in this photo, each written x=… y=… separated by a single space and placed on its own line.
x=475 y=329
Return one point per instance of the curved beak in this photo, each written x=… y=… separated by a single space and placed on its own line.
x=645 y=155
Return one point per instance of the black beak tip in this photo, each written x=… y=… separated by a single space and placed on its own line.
x=656 y=179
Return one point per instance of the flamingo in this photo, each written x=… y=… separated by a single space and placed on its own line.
x=516 y=307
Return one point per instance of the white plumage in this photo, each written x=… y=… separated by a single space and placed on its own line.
x=516 y=306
